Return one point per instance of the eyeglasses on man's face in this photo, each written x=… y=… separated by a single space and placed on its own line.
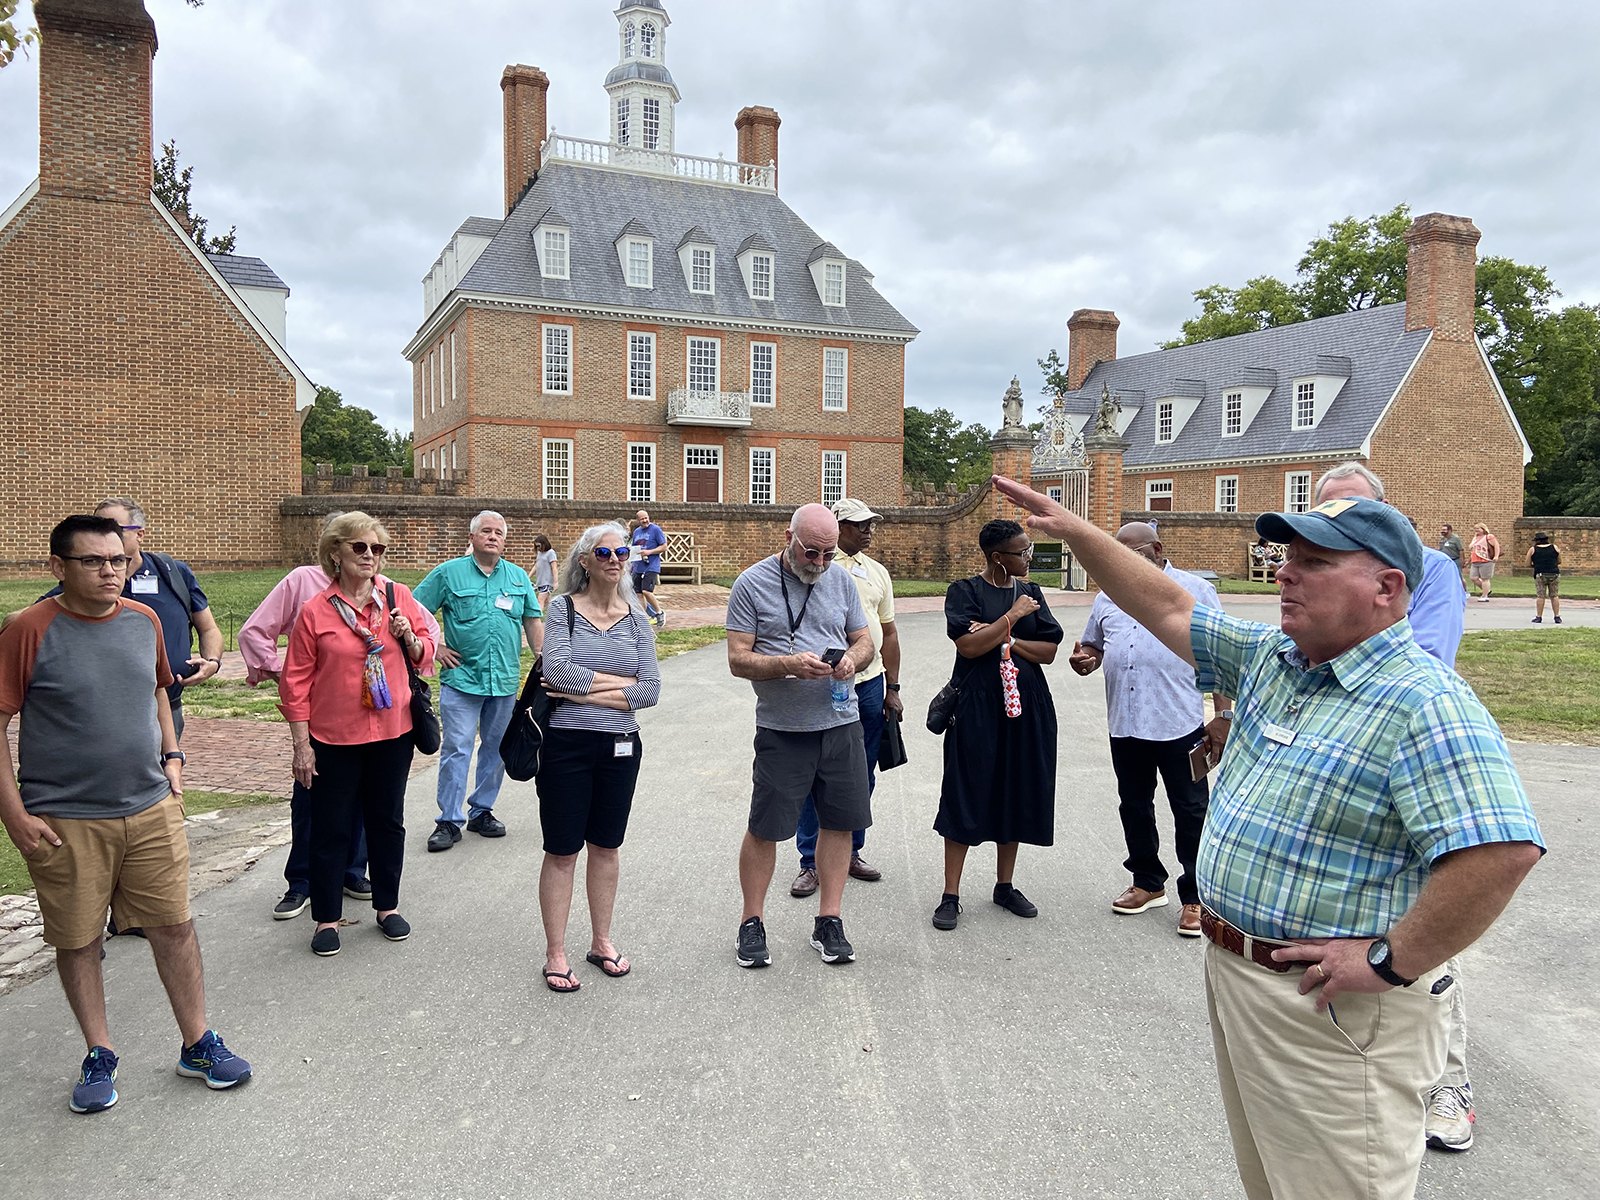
x=360 y=549
x=96 y=562
x=133 y=529
x=823 y=555
x=605 y=553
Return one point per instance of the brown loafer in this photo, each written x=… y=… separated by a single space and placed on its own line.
x=805 y=883
x=1189 y=921
x=860 y=868
x=1137 y=900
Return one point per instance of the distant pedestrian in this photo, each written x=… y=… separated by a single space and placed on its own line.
x=600 y=667
x=1156 y=717
x=877 y=684
x=1485 y=552
x=1545 y=559
x=488 y=607
x=1450 y=544
x=999 y=765
x=795 y=630
x=95 y=801
x=263 y=662
x=544 y=569
x=346 y=694
x=647 y=538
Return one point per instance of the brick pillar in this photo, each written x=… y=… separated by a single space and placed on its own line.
x=757 y=128
x=1013 y=457
x=522 y=91
x=1105 y=480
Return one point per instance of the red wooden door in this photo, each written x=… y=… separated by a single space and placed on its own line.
x=700 y=485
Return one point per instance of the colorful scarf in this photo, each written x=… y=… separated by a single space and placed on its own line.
x=374 y=685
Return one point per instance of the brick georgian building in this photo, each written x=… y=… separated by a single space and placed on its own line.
x=1246 y=424
x=134 y=363
x=646 y=326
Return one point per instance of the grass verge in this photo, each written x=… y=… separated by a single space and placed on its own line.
x=14 y=872
x=1515 y=672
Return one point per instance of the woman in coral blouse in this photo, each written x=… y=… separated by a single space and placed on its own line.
x=346 y=694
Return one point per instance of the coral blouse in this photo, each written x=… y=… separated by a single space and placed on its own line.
x=324 y=661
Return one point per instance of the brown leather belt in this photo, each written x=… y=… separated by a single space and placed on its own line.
x=1237 y=941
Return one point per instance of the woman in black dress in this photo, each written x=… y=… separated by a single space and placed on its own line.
x=999 y=771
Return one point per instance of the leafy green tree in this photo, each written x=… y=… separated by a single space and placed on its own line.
x=172 y=189
x=1360 y=264
x=342 y=434
x=938 y=450
x=13 y=39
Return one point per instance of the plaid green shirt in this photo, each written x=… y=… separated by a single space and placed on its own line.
x=1390 y=761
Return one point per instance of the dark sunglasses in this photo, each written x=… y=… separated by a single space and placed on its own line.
x=93 y=562
x=604 y=553
x=361 y=548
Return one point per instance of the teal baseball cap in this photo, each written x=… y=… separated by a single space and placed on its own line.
x=1353 y=523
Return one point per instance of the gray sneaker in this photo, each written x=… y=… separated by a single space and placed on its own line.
x=1451 y=1117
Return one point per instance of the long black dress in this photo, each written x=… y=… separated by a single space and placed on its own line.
x=999 y=771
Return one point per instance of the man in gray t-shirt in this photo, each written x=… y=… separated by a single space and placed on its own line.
x=784 y=615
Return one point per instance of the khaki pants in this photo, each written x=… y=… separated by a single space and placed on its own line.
x=1321 y=1109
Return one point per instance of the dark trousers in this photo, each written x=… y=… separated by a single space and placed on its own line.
x=297 y=871
x=368 y=779
x=1136 y=762
x=869 y=699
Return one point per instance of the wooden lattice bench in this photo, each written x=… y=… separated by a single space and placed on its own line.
x=1264 y=567
x=680 y=559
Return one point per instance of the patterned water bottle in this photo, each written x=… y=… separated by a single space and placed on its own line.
x=841 y=695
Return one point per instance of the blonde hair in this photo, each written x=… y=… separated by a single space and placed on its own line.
x=342 y=529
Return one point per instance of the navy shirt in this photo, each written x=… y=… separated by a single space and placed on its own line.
x=147 y=587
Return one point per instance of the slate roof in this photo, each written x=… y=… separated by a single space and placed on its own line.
x=1371 y=344
x=600 y=202
x=243 y=271
x=479 y=227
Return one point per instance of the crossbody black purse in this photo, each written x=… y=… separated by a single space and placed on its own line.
x=425 y=730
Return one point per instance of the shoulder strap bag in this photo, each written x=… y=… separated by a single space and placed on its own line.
x=522 y=744
x=425 y=731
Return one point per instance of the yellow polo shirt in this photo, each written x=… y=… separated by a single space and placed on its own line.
x=877 y=599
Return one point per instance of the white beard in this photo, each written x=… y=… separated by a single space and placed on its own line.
x=808 y=574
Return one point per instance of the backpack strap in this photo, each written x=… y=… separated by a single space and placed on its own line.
x=166 y=567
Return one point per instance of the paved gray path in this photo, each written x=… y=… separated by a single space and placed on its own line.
x=1066 y=1056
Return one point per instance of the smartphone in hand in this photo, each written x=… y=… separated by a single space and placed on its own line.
x=1200 y=763
x=832 y=656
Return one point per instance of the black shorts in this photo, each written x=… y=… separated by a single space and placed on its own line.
x=830 y=765
x=585 y=790
x=645 y=581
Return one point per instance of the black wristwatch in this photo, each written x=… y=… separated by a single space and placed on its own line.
x=893 y=687
x=173 y=754
x=1380 y=957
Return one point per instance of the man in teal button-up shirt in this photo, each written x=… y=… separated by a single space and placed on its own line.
x=1367 y=825
x=487 y=606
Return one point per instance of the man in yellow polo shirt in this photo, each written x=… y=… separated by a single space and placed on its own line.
x=877 y=685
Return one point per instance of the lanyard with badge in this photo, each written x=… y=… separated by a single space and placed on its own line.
x=794 y=621
x=145 y=585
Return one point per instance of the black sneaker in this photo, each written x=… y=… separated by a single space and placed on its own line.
x=445 y=834
x=325 y=943
x=486 y=824
x=827 y=938
x=1007 y=897
x=359 y=889
x=948 y=912
x=291 y=906
x=752 y=944
x=395 y=927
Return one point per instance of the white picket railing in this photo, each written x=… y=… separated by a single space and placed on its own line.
x=691 y=407
x=659 y=162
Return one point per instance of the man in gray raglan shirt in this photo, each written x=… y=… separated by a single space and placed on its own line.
x=784 y=615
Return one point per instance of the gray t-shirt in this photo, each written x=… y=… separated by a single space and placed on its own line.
x=822 y=616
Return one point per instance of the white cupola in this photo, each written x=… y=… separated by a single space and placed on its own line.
x=640 y=87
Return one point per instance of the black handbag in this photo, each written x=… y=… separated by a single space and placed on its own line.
x=942 y=708
x=522 y=744
x=892 y=749
x=425 y=732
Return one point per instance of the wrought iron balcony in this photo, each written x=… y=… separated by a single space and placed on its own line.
x=660 y=162
x=690 y=407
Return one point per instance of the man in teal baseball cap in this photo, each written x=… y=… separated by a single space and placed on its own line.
x=1352 y=523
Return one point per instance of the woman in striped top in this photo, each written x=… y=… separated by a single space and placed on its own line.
x=603 y=670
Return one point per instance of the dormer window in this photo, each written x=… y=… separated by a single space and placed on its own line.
x=697 y=256
x=552 y=244
x=1164 y=421
x=624 y=111
x=636 y=254
x=761 y=277
x=652 y=121
x=639 y=265
x=833 y=283
x=1233 y=414
x=700 y=270
x=1305 y=404
x=827 y=272
x=627 y=40
x=647 y=40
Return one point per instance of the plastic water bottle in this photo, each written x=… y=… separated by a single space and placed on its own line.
x=841 y=695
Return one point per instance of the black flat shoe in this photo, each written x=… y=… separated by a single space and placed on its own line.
x=1008 y=898
x=395 y=927
x=325 y=943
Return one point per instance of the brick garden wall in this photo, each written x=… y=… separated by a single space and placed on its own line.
x=1578 y=538
x=1204 y=541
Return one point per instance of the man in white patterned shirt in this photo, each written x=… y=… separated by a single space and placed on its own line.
x=1156 y=716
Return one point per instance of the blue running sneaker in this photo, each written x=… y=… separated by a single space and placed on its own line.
x=95 y=1092
x=210 y=1060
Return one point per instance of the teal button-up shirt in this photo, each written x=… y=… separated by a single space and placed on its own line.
x=482 y=617
x=1342 y=782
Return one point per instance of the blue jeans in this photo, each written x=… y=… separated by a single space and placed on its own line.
x=869 y=698
x=462 y=718
x=297 y=872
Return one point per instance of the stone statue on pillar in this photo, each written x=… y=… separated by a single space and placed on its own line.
x=1105 y=421
x=1011 y=406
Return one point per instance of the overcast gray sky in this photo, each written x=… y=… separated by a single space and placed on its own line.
x=995 y=165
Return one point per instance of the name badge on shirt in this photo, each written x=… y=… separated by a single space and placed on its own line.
x=858 y=571
x=623 y=747
x=1277 y=733
x=503 y=601
x=146 y=585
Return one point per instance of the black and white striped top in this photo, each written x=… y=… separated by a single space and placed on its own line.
x=627 y=648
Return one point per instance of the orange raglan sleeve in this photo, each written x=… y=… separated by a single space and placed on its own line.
x=19 y=647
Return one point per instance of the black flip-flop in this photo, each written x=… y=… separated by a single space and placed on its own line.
x=567 y=975
x=600 y=960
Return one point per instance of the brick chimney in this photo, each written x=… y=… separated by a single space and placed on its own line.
x=1091 y=338
x=1441 y=275
x=94 y=99
x=758 y=136
x=523 y=91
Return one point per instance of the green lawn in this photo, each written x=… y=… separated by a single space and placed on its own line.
x=1515 y=672
x=14 y=872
